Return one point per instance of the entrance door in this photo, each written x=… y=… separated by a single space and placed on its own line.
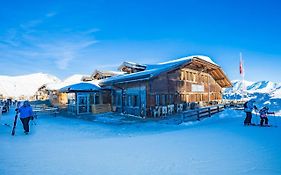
x=83 y=104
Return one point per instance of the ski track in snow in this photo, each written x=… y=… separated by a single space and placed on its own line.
x=217 y=145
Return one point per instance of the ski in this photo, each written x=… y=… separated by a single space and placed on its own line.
x=263 y=126
x=274 y=126
x=15 y=124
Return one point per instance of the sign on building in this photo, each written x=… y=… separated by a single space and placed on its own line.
x=197 y=88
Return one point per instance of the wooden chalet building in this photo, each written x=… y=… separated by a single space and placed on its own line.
x=166 y=88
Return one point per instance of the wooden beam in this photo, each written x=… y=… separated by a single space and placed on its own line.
x=220 y=79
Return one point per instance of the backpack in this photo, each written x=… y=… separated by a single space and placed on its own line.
x=245 y=105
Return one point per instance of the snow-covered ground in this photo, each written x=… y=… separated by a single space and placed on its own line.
x=217 y=145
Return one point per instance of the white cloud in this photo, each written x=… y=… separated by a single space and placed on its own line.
x=64 y=59
x=63 y=52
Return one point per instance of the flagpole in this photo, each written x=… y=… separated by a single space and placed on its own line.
x=243 y=75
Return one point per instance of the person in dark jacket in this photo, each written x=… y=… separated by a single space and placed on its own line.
x=248 y=108
x=263 y=115
x=25 y=115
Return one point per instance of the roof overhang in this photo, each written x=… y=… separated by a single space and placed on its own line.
x=214 y=70
x=80 y=87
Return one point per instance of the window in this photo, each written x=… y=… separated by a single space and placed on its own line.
x=163 y=99
x=118 y=100
x=157 y=100
x=187 y=98
x=171 y=99
x=194 y=77
x=182 y=75
x=129 y=100
x=189 y=76
x=96 y=99
x=176 y=98
x=182 y=96
x=71 y=98
x=134 y=100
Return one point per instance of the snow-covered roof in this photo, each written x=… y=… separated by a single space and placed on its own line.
x=202 y=57
x=132 y=65
x=74 y=78
x=108 y=72
x=84 y=86
x=56 y=86
x=155 y=69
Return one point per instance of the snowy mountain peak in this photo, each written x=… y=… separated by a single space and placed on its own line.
x=24 y=85
x=253 y=87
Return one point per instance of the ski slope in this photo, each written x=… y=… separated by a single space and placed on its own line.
x=25 y=85
x=217 y=145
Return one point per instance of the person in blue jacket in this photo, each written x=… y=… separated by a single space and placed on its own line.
x=248 y=108
x=25 y=115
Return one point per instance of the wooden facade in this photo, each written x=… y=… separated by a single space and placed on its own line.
x=173 y=90
x=55 y=97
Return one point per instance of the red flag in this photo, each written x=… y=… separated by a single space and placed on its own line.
x=241 y=69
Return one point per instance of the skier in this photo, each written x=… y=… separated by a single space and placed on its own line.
x=263 y=115
x=25 y=115
x=248 y=108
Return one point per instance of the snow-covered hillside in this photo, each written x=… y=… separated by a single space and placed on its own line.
x=25 y=85
x=76 y=78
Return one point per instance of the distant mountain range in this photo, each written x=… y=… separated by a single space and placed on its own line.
x=253 y=88
x=264 y=92
x=27 y=85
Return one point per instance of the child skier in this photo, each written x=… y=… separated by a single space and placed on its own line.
x=248 y=108
x=263 y=115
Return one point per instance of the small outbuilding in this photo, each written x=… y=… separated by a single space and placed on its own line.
x=87 y=97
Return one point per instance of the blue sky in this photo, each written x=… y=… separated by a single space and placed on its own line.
x=66 y=37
